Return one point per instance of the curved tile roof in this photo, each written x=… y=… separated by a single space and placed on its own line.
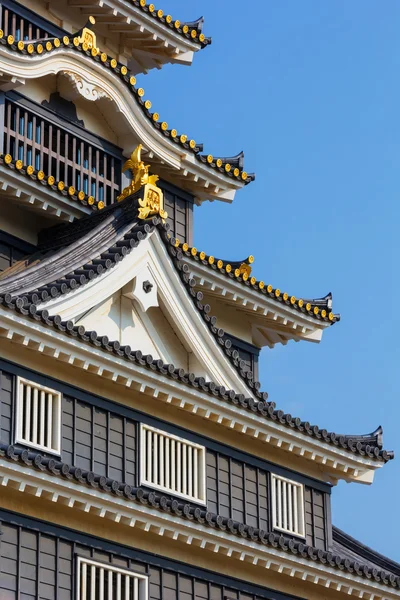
x=47 y=275
x=189 y=511
x=191 y=30
x=319 y=309
x=348 y=547
x=53 y=45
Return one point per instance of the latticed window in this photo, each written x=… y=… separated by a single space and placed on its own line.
x=288 y=505
x=84 y=162
x=98 y=581
x=173 y=464
x=38 y=416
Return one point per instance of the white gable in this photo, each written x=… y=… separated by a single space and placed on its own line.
x=141 y=302
x=122 y=318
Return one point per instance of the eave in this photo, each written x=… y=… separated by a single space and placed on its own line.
x=332 y=462
x=149 y=39
x=173 y=156
x=274 y=322
x=40 y=196
x=274 y=556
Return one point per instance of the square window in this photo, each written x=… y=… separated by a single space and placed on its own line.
x=96 y=580
x=172 y=464
x=38 y=416
x=288 y=506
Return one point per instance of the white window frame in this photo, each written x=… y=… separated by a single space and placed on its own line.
x=82 y=592
x=56 y=417
x=298 y=515
x=201 y=465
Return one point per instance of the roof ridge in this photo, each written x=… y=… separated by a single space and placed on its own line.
x=191 y=30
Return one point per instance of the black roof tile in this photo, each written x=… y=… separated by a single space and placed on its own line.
x=350 y=548
x=191 y=30
x=319 y=308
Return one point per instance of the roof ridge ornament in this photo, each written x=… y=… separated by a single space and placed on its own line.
x=86 y=36
x=152 y=203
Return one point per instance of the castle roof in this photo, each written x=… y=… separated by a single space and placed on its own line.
x=73 y=255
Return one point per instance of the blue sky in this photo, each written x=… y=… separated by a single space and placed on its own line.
x=310 y=91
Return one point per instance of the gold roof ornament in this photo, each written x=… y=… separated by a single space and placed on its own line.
x=87 y=36
x=245 y=269
x=152 y=202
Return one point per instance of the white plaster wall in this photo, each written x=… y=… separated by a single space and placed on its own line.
x=97 y=116
x=177 y=353
x=118 y=319
x=121 y=319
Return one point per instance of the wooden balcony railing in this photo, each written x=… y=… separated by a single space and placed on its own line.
x=40 y=138
x=22 y=24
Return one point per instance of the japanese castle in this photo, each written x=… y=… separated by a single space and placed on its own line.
x=139 y=457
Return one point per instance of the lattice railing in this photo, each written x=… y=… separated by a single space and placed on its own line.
x=62 y=152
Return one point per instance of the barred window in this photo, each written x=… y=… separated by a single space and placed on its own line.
x=38 y=416
x=173 y=464
x=288 y=505
x=60 y=149
x=98 y=581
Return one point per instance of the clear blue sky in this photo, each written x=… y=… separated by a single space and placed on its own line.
x=311 y=92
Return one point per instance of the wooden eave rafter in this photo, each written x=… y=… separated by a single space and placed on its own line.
x=32 y=195
x=190 y=179
x=140 y=34
x=277 y=323
x=90 y=501
x=173 y=161
x=332 y=462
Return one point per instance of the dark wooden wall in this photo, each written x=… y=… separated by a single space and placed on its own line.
x=39 y=561
x=103 y=437
x=6 y=406
x=179 y=206
x=98 y=440
x=317 y=508
x=237 y=490
x=12 y=249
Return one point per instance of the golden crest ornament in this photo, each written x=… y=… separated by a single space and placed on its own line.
x=152 y=202
x=87 y=36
